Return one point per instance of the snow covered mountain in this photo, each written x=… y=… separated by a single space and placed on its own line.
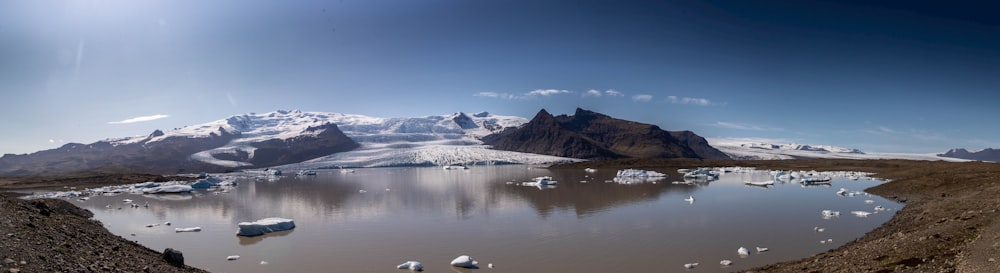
x=763 y=149
x=383 y=142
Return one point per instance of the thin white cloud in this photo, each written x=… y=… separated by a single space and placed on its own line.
x=496 y=95
x=139 y=119
x=592 y=93
x=232 y=100
x=744 y=126
x=613 y=93
x=687 y=100
x=547 y=92
x=528 y=95
x=642 y=98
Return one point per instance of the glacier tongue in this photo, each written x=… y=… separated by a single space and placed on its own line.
x=385 y=142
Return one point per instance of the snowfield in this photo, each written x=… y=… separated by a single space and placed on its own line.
x=385 y=142
x=757 y=149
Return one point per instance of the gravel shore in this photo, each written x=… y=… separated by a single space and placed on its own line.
x=948 y=224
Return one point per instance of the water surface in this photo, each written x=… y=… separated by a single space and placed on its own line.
x=373 y=219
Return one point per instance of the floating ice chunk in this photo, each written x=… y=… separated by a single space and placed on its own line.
x=690 y=199
x=168 y=189
x=639 y=173
x=861 y=213
x=146 y=185
x=590 y=170
x=818 y=229
x=188 y=229
x=411 y=265
x=761 y=249
x=830 y=213
x=490 y=265
x=152 y=225
x=263 y=262
x=726 y=262
x=879 y=208
x=743 y=251
x=842 y=192
x=690 y=265
x=464 y=261
x=205 y=183
x=869 y=201
x=128 y=201
x=265 y=225
x=232 y=257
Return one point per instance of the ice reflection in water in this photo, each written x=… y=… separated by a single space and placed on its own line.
x=372 y=219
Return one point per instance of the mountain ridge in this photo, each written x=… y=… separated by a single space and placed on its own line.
x=591 y=135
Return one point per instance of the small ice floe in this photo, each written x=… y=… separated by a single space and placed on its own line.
x=826 y=241
x=830 y=213
x=464 y=261
x=188 y=229
x=743 y=252
x=639 y=173
x=232 y=257
x=411 y=265
x=263 y=262
x=859 y=213
x=167 y=223
x=127 y=201
x=362 y=191
x=152 y=225
x=490 y=265
x=869 y=201
x=818 y=229
x=842 y=192
x=544 y=181
x=590 y=170
x=879 y=208
x=726 y=262
x=761 y=249
x=205 y=183
x=265 y=225
x=690 y=199
x=690 y=265
x=176 y=188
x=83 y=199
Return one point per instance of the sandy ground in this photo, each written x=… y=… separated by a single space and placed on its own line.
x=948 y=224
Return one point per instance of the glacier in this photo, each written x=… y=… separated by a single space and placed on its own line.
x=439 y=140
x=770 y=149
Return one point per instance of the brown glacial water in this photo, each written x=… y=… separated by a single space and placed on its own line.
x=374 y=219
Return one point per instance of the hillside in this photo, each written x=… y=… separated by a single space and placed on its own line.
x=591 y=135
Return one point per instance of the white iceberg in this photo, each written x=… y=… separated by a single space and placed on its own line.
x=168 y=189
x=830 y=213
x=265 y=225
x=464 y=261
x=232 y=257
x=861 y=213
x=411 y=265
x=188 y=229
x=639 y=173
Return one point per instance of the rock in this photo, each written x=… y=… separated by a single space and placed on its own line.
x=173 y=257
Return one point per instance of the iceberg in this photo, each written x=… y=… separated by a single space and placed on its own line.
x=266 y=225
x=411 y=265
x=167 y=189
x=639 y=173
x=205 y=183
x=188 y=229
x=464 y=261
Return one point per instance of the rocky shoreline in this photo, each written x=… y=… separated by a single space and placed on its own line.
x=948 y=224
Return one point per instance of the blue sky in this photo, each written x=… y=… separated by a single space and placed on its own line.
x=886 y=76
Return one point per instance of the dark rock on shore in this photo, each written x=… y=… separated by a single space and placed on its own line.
x=50 y=235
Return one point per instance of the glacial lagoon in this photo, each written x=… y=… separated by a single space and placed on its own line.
x=374 y=219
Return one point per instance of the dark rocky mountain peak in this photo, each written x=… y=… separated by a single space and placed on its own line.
x=592 y=135
x=988 y=154
x=464 y=121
